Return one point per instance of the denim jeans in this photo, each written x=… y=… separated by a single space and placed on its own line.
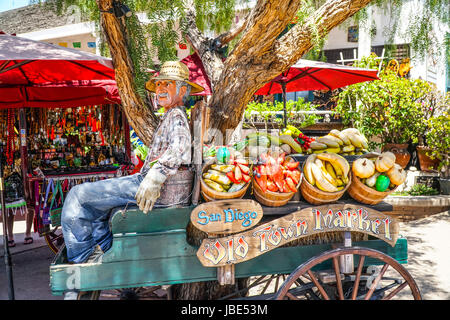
x=86 y=210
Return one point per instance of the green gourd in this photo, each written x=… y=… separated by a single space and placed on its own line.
x=223 y=155
x=382 y=183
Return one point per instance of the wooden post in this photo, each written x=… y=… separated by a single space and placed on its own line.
x=346 y=261
x=225 y=274
x=197 y=117
x=126 y=131
x=23 y=150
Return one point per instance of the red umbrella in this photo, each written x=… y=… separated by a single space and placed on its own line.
x=314 y=75
x=197 y=74
x=65 y=94
x=24 y=62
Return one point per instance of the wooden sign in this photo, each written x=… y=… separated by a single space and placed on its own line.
x=215 y=252
x=226 y=216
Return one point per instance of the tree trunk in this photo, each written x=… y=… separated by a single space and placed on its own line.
x=139 y=113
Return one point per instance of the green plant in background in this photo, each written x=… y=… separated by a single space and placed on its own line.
x=438 y=138
x=265 y=112
x=390 y=108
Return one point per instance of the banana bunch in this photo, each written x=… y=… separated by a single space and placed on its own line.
x=346 y=142
x=327 y=171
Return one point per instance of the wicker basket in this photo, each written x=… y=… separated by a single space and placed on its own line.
x=210 y=194
x=364 y=194
x=316 y=196
x=270 y=198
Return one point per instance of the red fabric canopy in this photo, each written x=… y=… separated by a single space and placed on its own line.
x=197 y=74
x=24 y=62
x=314 y=75
x=60 y=95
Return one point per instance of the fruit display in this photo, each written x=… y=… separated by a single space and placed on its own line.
x=346 y=142
x=230 y=177
x=262 y=142
x=327 y=171
x=276 y=173
x=379 y=172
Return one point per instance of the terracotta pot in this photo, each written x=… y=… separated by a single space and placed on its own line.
x=426 y=163
x=402 y=155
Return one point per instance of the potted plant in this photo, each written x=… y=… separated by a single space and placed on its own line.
x=433 y=103
x=438 y=139
x=272 y=114
x=388 y=109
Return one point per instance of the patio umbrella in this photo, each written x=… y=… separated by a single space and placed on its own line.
x=65 y=94
x=24 y=62
x=314 y=75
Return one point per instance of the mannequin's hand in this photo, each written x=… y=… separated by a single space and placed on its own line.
x=149 y=189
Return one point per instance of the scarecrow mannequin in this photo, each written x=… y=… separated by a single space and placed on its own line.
x=87 y=206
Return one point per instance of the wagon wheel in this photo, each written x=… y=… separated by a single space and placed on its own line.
x=54 y=239
x=262 y=287
x=138 y=293
x=360 y=284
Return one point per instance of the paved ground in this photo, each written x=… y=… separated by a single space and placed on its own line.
x=428 y=251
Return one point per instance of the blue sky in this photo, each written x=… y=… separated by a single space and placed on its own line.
x=12 y=4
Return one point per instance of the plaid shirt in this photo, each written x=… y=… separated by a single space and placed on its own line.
x=171 y=145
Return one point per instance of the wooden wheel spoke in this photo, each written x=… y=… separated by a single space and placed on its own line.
x=338 y=278
x=375 y=282
x=318 y=285
x=291 y=296
x=358 y=277
x=395 y=291
x=269 y=281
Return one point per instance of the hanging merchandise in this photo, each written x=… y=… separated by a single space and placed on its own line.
x=10 y=138
x=76 y=140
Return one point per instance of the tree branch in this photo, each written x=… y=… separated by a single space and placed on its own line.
x=226 y=37
x=205 y=48
x=294 y=44
x=139 y=114
x=260 y=56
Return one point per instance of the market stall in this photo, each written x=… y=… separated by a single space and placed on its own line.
x=64 y=147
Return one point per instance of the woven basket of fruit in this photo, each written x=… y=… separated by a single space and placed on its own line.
x=276 y=179
x=326 y=177
x=225 y=181
x=375 y=176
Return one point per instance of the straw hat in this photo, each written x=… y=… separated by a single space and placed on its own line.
x=173 y=70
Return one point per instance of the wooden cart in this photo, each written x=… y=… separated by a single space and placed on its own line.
x=151 y=250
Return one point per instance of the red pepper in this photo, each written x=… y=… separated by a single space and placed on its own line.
x=285 y=187
x=230 y=176
x=272 y=186
x=246 y=178
x=262 y=182
x=294 y=175
x=237 y=174
x=243 y=168
x=292 y=165
x=290 y=184
x=281 y=158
